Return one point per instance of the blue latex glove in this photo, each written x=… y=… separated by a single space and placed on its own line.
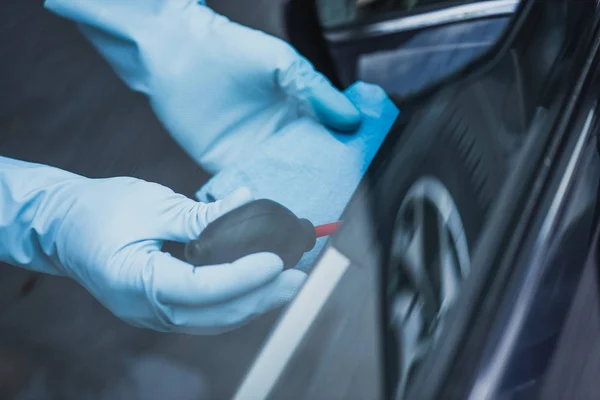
x=219 y=88
x=107 y=234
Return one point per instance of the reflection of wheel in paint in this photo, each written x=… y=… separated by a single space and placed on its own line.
x=441 y=178
x=430 y=253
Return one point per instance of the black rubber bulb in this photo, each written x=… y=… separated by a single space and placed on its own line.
x=259 y=226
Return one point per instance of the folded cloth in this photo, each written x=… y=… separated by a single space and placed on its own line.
x=309 y=169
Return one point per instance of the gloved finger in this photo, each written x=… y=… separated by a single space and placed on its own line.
x=183 y=219
x=240 y=311
x=235 y=199
x=330 y=106
x=178 y=284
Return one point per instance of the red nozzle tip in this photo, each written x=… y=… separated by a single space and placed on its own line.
x=327 y=229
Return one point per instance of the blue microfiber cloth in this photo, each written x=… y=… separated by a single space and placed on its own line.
x=309 y=169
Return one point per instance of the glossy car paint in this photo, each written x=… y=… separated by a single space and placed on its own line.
x=510 y=329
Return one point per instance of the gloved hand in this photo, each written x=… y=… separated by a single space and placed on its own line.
x=107 y=234
x=219 y=88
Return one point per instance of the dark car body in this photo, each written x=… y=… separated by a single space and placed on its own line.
x=531 y=96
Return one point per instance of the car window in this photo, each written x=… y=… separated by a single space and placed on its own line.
x=335 y=13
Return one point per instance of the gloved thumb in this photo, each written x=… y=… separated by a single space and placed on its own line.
x=275 y=294
x=331 y=107
x=218 y=298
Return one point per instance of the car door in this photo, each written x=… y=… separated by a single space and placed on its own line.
x=470 y=301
